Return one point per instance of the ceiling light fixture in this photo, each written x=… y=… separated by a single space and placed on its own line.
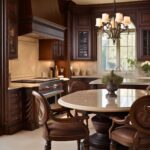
x=114 y=26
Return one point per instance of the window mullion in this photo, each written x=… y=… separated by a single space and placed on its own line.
x=118 y=54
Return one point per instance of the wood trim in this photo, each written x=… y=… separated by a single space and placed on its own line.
x=3 y=64
x=42 y=28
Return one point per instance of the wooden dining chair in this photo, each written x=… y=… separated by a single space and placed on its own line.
x=133 y=131
x=74 y=86
x=59 y=129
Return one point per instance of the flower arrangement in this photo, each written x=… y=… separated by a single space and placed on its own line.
x=145 y=66
x=112 y=82
x=112 y=78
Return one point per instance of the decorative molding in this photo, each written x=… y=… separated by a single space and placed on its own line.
x=3 y=64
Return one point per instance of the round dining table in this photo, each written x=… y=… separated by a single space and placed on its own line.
x=99 y=102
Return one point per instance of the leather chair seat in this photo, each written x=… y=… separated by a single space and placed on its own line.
x=57 y=108
x=60 y=129
x=69 y=130
x=124 y=135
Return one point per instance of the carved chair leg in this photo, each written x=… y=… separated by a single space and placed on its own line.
x=69 y=115
x=48 y=145
x=78 y=143
x=112 y=145
x=86 y=144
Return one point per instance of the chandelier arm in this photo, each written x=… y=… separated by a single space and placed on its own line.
x=114 y=27
x=108 y=33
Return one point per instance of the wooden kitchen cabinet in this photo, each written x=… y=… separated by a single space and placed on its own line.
x=144 y=35
x=12 y=27
x=13 y=107
x=29 y=111
x=51 y=49
x=82 y=39
x=145 y=44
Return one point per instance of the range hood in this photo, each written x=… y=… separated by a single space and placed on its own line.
x=33 y=24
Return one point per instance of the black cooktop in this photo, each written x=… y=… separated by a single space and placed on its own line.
x=35 y=80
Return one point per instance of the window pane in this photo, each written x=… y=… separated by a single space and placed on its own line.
x=123 y=39
x=108 y=54
x=123 y=52
x=131 y=39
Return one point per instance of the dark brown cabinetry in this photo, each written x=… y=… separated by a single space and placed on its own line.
x=51 y=49
x=13 y=118
x=144 y=35
x=12 y=28
x=145 y=44
x=82 y=47
x=58 y=50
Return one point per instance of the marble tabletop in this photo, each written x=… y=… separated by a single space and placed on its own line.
x=97 y=100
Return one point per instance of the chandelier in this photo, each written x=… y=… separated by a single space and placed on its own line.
x=114 y=26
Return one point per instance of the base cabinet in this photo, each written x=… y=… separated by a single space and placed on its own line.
x=30 y=120
x=13 y=118
x=20 y=110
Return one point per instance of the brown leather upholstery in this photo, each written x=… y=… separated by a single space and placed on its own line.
x=76 y=85
x=134 y=130
x=57 y=109
x=59 y=129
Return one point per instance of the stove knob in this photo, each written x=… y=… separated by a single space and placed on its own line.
x=55 y=86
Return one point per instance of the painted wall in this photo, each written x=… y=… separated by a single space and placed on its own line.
x=27 y=64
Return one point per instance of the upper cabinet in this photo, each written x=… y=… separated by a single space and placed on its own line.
x=12 y=28
x=82 y=40
x=51 y=49
x=144 y=35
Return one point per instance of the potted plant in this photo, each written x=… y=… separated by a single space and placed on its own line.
x=145 y=66
x=112 y=82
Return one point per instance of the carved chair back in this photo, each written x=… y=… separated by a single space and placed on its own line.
x=77 y=85
x=42 y=107
x=140 y=114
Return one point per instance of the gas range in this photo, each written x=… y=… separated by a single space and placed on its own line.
x=47 y=86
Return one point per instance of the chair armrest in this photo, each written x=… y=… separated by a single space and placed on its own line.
x=119 y=121
x=116 y=121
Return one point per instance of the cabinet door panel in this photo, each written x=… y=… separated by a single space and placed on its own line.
x=12 y=28
x=144 y=48
x=82 y=38
x=83 y=45
x=13 y=120
x=51 y=49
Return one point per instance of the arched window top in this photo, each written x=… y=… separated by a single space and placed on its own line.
x=131 y=26
x=115 y=56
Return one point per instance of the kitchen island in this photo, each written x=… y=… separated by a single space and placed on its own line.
x=138 y=83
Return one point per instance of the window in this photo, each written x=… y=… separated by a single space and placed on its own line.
x=115 y=56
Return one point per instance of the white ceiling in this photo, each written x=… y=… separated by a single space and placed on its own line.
x=88 y=2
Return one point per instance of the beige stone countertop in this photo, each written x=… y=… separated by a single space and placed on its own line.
x=22 y=85
x=100 y=76
x=127 y=81
x=86 y=76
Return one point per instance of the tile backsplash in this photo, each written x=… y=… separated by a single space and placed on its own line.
x=84 y=67
x=27 y=63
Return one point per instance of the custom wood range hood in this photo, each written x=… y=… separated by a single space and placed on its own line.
x=41 y=19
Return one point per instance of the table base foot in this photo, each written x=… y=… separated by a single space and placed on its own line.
x=99 y=141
